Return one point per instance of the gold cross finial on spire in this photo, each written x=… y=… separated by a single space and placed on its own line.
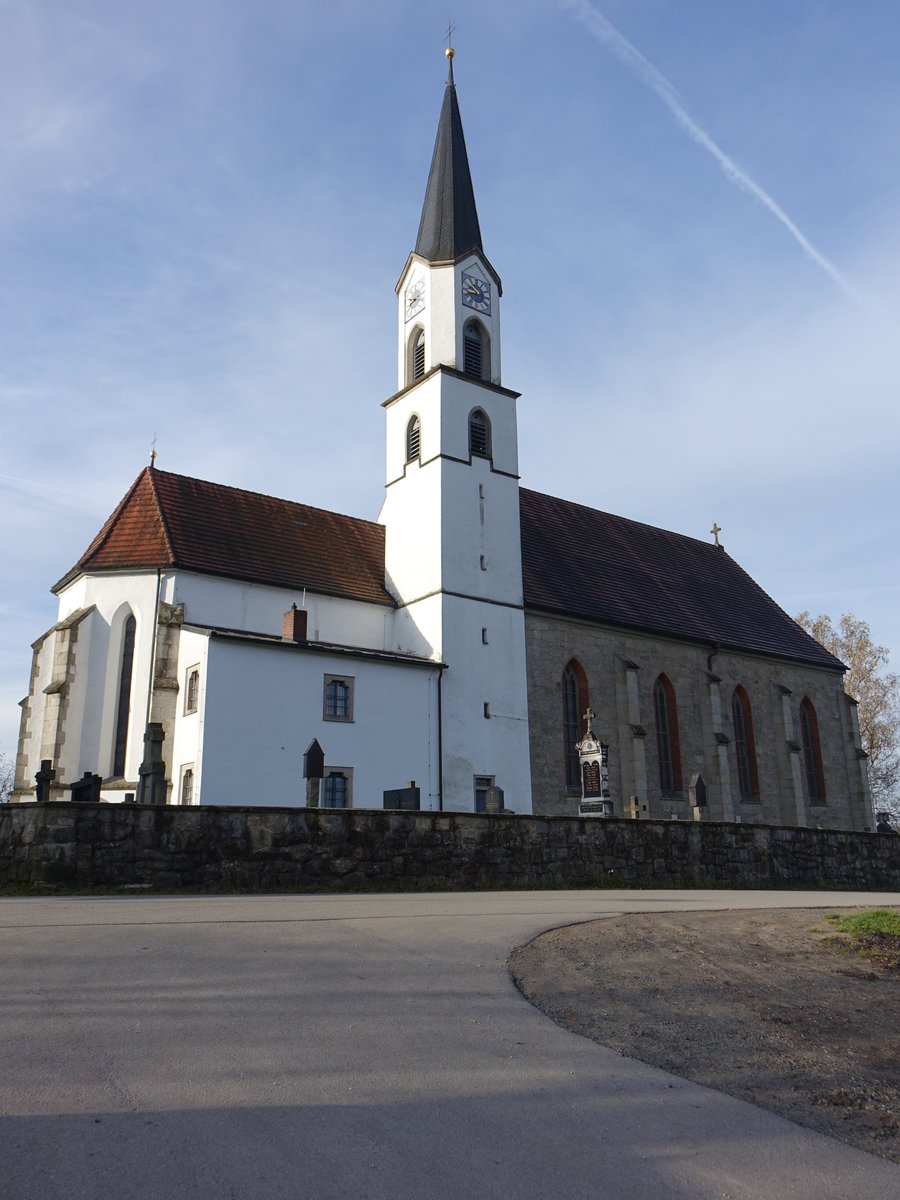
x=715 y=531
x=450 y=52
x=153 y=450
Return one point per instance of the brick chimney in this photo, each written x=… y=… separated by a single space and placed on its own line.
x=293 y=626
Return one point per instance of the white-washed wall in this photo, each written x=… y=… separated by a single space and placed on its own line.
x=264 y=705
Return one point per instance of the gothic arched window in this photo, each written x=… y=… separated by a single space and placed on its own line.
x=476 y=350
x=413 y=430
x=123 y=707
x=668 y=745
x=576 y=700
x=812 y=751
x=479 y=434
x=744 y=743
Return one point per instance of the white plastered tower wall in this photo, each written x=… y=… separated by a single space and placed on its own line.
x=428 y=302
x=453 y=560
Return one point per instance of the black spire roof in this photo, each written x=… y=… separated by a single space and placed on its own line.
x=449 y=225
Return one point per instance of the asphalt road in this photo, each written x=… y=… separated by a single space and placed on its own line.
x=356 y=1046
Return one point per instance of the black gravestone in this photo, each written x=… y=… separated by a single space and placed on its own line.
x=408 y=799
x=87 y=789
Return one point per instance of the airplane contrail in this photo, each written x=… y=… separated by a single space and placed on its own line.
x=644 y=70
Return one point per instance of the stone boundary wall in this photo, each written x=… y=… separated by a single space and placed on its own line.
x=168 y=848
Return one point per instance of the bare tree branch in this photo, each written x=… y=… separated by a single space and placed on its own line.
x=877 y=692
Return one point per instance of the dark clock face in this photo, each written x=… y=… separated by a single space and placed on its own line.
x=476 y=293
x=415 y=298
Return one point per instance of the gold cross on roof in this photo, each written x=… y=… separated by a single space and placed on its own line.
x=715 y=531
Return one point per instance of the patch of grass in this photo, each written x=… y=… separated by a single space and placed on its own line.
x=874 y=935
x=876 y=920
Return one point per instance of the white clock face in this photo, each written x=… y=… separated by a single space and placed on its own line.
x=476 y=293
x=415 y=298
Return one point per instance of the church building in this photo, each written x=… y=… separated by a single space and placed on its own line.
x=286 y=655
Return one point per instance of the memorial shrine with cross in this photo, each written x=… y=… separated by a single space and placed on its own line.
x=455 y=653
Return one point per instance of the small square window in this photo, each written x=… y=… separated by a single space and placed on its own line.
x=191 y=689
x=337 y=787
x=337 y=703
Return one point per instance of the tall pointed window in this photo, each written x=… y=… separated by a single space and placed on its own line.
x=412 y=438
x=415 y=355
x=479 y=434
x=576 y=699
x=123 y=708
x=476 y=350
x=668 y=745
x=744 y=744
x=812 y=752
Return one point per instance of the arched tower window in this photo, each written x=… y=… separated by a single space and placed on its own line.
x=123 y=707
x=415 y=366
x=744 y=743
x=413 y=430
x=812 y=751
x=576 y=701
x=479 y=434
x=668 y=744
x=476 y=350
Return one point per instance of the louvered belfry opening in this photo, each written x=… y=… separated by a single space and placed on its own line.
x=473 y=351
x=418 y=363
x=479 y=435
x=412 y=439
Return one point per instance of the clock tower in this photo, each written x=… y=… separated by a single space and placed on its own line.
x=451 y=510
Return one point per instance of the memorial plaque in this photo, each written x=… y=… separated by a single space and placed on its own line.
x=590 y=772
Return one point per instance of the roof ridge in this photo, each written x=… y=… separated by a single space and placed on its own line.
x=688 y=537
x=227 y=487
x=160 y=512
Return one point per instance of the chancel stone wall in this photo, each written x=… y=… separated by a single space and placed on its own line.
x=622 y=668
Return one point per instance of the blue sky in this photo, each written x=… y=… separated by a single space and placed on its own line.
x=205 y=208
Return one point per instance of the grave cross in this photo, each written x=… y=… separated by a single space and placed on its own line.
x=634 y=808
x=43 y=779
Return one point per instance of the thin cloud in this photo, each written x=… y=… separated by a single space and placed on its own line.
x=644 y=70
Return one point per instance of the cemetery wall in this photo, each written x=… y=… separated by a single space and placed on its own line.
x=168 y=848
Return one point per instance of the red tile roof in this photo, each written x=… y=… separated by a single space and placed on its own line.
x=586 y=563
x=576 y=561
x=168 y=520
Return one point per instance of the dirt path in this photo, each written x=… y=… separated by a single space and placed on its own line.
x=763 y=1005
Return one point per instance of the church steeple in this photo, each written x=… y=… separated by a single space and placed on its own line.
x=449 y=226
x=448 y=293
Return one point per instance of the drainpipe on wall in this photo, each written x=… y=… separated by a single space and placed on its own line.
x=153 y=646
x=440 y=746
